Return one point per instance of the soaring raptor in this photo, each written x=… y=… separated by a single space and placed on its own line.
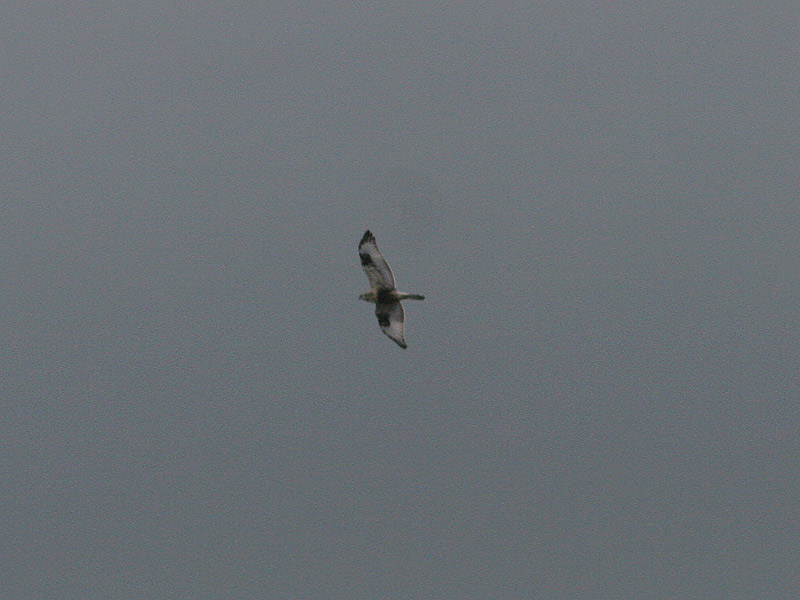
x=382 y=290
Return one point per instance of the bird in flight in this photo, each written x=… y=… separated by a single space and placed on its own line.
x=382 y=290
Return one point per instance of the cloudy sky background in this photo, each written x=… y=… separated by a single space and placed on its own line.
x=600 y=394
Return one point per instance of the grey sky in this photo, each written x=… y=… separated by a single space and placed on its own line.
x=600 y=394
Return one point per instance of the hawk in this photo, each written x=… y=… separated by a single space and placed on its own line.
x=382 y=290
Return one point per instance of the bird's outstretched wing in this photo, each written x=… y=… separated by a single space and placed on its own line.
x=375 y=266
x=391 y=318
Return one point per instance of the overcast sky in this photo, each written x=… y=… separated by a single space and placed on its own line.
x=600 y=394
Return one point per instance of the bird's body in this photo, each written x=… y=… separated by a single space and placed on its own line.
x=388 y=296
x=382 y=291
